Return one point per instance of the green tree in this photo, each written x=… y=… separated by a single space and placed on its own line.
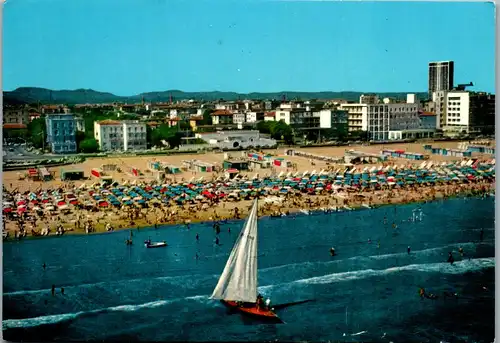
x=207 y=117
x=169 y=134
x=79 y=137
x=89 y=145
x=37 y=132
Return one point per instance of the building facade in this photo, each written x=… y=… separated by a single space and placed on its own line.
x=15 y=115
x=468 y=112
x=441 y=76
x=357 y=116
x=371 y=99
x=384 y=118
x=125 y=135
x=61 y=129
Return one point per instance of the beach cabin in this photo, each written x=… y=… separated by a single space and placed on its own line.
x=198 y=166
x=97 y=172
x=154 y=165
x=109 y=167
x=231 y=173
x=235 y=164
x=72 y=175
x=33 y=174
x=280 y=162
x=44 y=174
x=171 y=169
x=256 y=165
x=106 y=180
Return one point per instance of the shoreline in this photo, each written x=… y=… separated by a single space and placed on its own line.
x=143 y=224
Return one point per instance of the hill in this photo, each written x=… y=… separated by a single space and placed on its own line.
x=31 y=95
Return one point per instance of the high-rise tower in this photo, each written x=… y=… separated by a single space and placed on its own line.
x=441 y=76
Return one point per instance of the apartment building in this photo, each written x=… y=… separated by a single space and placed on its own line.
x=357 y=116
x=120 y=135
x=61 y=130
x=15 y=115
x=222 y=117
x=468 y=112
x=385 y=118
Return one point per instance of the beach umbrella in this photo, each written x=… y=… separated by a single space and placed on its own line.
x=7 y=210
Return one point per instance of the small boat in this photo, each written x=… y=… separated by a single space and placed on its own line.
x=306 y=212
x=237 y=286
x=149 y=244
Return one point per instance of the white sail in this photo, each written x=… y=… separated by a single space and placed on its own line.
x=238 y=281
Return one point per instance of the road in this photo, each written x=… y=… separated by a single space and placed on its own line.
x=19 y=153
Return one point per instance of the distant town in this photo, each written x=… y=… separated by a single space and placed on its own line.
x=448 y=110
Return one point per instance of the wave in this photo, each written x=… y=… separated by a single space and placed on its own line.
x=200 y=278
x=443 y=267
x=60 y=318
x=456 y=268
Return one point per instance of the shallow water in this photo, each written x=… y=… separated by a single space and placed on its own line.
x=118 y=292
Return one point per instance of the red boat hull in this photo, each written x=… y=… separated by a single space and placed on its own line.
x=252 y=311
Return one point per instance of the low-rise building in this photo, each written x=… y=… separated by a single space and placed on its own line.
x=369 y=99
x=254 y=117
x=240 y=139
x=15 y=115
x=61 y=129
x=222 y=117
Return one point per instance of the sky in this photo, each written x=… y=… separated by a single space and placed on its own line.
x=127 y=47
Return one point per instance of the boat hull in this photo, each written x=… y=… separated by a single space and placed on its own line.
x=155 y=245
x=251 y=310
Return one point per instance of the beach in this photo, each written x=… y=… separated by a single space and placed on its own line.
x=78 y=220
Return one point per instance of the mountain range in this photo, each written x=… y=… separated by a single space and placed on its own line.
x=33 y=95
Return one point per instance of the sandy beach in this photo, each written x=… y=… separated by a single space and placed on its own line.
x=76 y=220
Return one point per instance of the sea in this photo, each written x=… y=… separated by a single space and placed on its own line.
x=369 y=291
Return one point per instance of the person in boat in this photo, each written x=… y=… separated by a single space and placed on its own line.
x=332 y=251
x=260 y=301
x=450 y=258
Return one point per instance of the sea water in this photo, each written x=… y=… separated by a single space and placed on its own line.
x=367 y=292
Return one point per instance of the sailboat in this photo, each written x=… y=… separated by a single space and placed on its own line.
x=237 y=286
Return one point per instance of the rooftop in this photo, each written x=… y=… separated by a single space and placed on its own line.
x=222 y=113
x=14 y=126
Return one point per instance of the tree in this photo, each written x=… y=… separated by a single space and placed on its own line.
x=37 y=132
x=207 y=117
x=89 y=145
x=278 y=130
x=79 y=137
x=165 y=133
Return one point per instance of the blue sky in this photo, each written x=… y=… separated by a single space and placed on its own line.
x=131 y=46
